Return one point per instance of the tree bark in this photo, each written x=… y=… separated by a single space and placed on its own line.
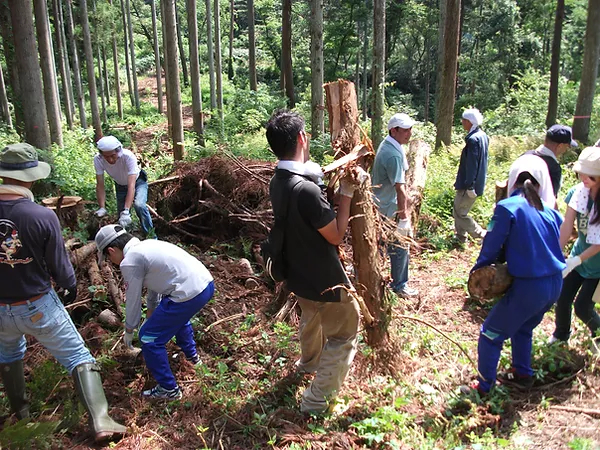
x=11 y=66
x=89 y=62
x=159 y=91
x=589 y=73
x=286 y=51
x=106 y=76
x=447 y=94
x=231 y=25
x=186 y=79
x=555 y=64
x=364 y=69
x=126 y=45
x=440 y=50
x=211 y=56
x=346 y=135
x=4 y=101
x=115 y=52
x=62 y=63
x=416 y=176
x=136 y=94
x=48 y=74
x=166 y=67
x=218 y=60
x=316 y=67
x=174 y=94
x=29 y=74
x=378 y=75
x=192 y=20
x=76 y=65
x=252 y=47
x=101 y=71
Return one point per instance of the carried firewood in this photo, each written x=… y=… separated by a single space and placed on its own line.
x=490 y=281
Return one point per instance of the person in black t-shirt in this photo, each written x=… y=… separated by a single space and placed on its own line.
x=330 y=316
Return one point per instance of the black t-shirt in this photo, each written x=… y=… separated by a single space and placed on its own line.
x=554 y=170
x=313 y=264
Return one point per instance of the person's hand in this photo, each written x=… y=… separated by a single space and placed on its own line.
x=125 y=218
x=404 y=227
x=347 y=188
x=101 y=212
x=361 y=174
x=70 y=295
x=128 y=339
x=571 y=264
x=471 y=193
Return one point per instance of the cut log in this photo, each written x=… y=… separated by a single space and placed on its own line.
x=501 y=190
x=489 y=282
x=81 y=254
x=113 y=288
x=416 y=176
x=96 y=280
x=346 y=135
x=110 y=319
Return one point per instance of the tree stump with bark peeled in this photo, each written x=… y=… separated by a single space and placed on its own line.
x=489 y=282
x=364 y=224
x=416 y=176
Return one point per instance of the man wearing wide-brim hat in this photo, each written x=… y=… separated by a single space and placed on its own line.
x=32 y=255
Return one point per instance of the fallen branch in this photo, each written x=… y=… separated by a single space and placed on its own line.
x=113 y=288
x=164 y=180
x=81 y=254
x=235 y=316
x=592 y=412
x=244 y=168
x=169 y=224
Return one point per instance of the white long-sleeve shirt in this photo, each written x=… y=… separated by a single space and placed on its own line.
x=165 y=270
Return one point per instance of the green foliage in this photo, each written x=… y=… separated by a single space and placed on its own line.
x=25 y=435
x=583 y=444
x=386 y=423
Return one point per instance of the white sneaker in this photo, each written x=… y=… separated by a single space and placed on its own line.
x=407 y=292
x=552 y=339
x=160 y=393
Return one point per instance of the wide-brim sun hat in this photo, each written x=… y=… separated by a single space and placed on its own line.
x=105 y=236
x=588 y=162
x=20 y=162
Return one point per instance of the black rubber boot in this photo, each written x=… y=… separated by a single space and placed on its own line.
x=14 y=386
x=91 y=393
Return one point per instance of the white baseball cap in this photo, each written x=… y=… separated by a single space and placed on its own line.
x=401 y=120
x=108 y=144
x=105 y=236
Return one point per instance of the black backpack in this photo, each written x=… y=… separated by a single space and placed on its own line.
x=272 y=249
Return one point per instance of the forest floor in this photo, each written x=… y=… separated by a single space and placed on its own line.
x=246 y=392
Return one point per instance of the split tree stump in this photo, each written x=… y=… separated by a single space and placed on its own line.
x=416 y=176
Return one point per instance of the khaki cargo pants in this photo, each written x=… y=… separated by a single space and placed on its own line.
x=328 y=336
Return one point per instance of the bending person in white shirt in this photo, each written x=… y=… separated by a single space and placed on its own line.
x=178 y=287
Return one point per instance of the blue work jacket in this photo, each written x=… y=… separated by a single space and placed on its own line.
x=473 y=162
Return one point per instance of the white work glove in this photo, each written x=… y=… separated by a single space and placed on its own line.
x=362 y=175
x=471 y=193
x=125 y=218
x=571 y=264
x=404 y=227
x=128 y=340
x=101 y=212
x=347 y=188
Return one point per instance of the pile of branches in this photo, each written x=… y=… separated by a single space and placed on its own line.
x=216 y=198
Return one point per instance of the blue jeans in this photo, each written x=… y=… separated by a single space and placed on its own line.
x=47 y=320
x=139 y=201
x=171 y=319
x=399 y=266
x=514 y=317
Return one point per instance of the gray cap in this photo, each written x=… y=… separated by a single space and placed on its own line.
x=105 y=236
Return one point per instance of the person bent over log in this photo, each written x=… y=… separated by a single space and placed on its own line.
x=32 y=253
x=178 y=287
x=330 y=315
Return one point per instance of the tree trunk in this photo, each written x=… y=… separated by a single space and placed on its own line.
x=555 y=64
x=589 y=73
x=126 y=45
x=29 y=74
x=47 y=64
x=136 y=94
x=174 y=97
x=252 y=46
x=166 y=68
x=446 y=98
x=67 y=63
x=159 y=91
x=365 y=58
x=103 y=94
x=231 y=25
x=186 y=79
x=443 y=4
x=115 y=52
x=60 y=47
x=192 y=20
x=316 y=67
x=76 y=66
x=346 y=135
x=89 y=62
x=286 y=51
x=211 y=56
x=106 y=76
x=378 y=75
x=4 y=101
x=11 y=66
x=218 y=61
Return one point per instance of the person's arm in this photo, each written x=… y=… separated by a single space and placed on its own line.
x=592 y=250
x=403 y=211
x=335 y=230
x=495 y=238
x=567 y=227
x=133 y=276
x=100 y=192
x=131 y=179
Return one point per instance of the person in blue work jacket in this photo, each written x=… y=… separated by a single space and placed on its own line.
x=527 y=230
x=583 y=266
x=470 y=179
x=178 y=287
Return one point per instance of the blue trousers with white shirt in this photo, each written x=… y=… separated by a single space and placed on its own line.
x=171 y=319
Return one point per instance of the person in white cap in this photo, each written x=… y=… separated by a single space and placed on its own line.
x=470 y=179
x=131 y=183
x=391 y=197
x=32 y=257
x=178 y=287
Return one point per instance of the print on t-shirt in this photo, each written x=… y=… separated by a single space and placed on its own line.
x=10 y=244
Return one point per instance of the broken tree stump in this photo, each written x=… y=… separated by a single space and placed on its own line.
x=346 y=135
x=416 y=176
